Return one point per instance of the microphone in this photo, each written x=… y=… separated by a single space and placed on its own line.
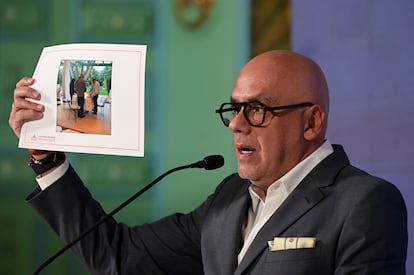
x=209 y=163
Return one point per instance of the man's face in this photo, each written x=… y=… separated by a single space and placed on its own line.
x=266 y=153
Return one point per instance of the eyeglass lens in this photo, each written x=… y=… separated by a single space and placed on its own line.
x=253 y=112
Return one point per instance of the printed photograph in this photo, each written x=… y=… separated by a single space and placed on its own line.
x=83 y=92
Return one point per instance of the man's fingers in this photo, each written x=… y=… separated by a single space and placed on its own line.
x=25 y=81
x=26 y=92
x=22 y=92
x=23 y=104
x=24 y=107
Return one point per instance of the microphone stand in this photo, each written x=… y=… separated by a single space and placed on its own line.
x=113 y=212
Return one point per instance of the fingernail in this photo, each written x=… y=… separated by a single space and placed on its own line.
x=39 y=107
x=35 y=94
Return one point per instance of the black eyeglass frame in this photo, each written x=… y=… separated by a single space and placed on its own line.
x=264 y=108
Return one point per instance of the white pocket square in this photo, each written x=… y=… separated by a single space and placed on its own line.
x=284 y=243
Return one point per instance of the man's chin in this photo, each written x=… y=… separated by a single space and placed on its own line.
x=246 y=174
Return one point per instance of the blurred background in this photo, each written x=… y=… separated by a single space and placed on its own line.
x=195 y=50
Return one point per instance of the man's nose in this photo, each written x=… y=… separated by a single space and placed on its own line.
x=239 y=123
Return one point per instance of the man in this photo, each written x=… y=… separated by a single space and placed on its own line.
x=95 y=94
x=296 y=206
x=71 y=88
x=80 y=88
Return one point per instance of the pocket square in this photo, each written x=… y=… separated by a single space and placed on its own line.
x=284 y=243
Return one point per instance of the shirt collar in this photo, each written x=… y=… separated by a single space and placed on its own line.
x=291 y=179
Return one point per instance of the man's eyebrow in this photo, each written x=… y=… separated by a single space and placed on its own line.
x=261 y=99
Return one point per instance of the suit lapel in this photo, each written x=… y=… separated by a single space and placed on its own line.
x=290 y=211
x=222 y=237
x=231 y=231
x=299 y=202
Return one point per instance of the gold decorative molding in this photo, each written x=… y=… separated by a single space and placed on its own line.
x=193 y=13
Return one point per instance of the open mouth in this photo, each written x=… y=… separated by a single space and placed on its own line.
x=245 y=149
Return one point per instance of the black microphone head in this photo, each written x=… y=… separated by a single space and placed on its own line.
x=213 y=162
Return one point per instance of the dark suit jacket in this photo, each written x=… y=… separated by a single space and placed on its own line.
x=359 y=221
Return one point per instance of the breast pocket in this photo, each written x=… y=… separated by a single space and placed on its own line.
x=293 y=261
x=302 y=254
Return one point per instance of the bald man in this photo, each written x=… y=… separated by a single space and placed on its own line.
x=296 y=206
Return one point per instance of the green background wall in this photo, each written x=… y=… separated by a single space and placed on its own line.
x=189 y=73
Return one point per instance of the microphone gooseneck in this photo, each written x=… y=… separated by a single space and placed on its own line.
x=209 y=163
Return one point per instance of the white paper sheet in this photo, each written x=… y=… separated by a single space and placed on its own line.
x=125 y=110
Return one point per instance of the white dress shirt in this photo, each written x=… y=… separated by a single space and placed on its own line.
x=261 y=211
x=47 y=180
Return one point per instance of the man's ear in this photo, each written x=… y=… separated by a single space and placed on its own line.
x=315 y=122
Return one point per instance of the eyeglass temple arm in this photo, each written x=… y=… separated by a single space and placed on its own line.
x=305 y=104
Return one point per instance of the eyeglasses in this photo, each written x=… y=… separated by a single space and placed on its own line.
x=254 y=112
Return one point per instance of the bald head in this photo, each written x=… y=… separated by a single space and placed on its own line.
x=286 y=136
x=289 y=77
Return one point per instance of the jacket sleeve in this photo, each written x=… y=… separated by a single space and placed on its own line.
x=374 y=234
x=169 y=246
